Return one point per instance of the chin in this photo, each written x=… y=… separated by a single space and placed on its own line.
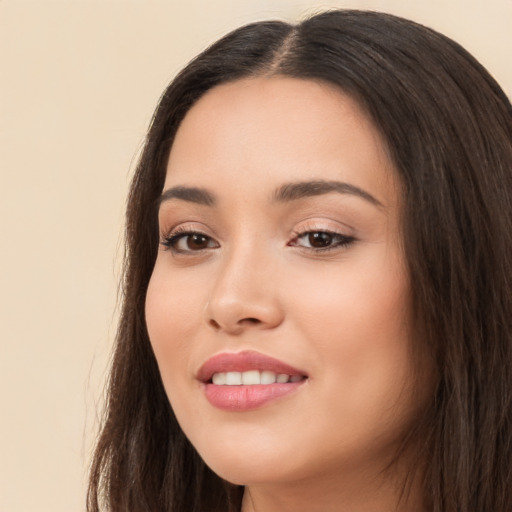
x=249 y=469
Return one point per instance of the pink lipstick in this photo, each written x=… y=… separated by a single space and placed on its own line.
x=247 y=380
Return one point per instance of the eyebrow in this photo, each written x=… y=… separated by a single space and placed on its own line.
x=302 y=189
x=190 y=194
x=285 y=193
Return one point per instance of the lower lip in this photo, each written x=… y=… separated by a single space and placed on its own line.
x=246 y=398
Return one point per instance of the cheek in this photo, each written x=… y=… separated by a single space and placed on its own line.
x=363 y=303
x=172 y=316
x=358 y=322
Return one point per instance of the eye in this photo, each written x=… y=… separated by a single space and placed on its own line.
x=188 y=242
x=321 y=240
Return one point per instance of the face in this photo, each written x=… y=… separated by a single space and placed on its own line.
x=279 y=304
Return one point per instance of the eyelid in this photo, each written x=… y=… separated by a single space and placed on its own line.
x=324 y=225
x=341 y=241
x=344 y=238
x=340 y=237
x=169 y=230
x=175 y=234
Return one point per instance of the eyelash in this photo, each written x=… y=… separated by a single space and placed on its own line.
x=342 y=241
x=170 y=242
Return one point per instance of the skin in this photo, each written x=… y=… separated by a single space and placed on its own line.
x=256 y=283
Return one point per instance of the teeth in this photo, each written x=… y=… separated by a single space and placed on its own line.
x=252 y=377
x=268 y=377
x=233 y=378
x=219 y=379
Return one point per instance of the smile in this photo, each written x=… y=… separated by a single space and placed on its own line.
x=247 y=380
x=253 y=377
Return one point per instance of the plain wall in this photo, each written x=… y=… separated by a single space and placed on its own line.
x=78 y=84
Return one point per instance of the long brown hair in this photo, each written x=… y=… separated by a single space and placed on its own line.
x=448 y=128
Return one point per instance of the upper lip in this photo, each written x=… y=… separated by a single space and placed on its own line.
x=242 y=362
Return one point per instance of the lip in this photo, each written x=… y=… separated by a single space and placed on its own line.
x=243 y=362
x=244 y=398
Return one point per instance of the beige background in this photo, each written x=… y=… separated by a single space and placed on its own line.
x=78 y=83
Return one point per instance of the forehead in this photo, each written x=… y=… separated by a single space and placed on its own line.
x=277 y=129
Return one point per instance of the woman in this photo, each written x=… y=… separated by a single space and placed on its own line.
x=317 y=308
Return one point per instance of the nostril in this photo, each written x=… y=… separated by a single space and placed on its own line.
x=250 y=321
x=235 y=327
x=214 y=324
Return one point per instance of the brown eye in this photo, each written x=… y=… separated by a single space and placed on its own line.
x=322 y=240
x=188 y=242
x=196 y=242
x=319 y=239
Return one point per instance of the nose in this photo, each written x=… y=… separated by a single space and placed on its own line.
x=244 y=295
